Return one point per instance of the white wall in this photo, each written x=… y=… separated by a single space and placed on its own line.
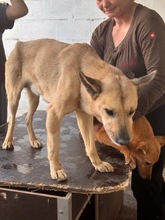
x=65 y=20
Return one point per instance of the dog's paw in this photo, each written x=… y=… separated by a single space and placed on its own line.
x=104 y=167
x=127 y=159
x=36 y=143
x=7 y=145
x=131 y=161
x=59 y=175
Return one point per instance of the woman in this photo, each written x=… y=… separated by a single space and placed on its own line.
x=133 y=39
x=8 y=13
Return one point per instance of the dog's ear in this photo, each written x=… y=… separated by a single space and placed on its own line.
x=142 y=148
x=93 y=86
x=142 y=81
x=161 y=140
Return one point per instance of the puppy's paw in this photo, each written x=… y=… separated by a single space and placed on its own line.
x=127 y=159
x=132 y=163
x=58 y=175
x=36 y=143
x=8 y=145
x=104 y=167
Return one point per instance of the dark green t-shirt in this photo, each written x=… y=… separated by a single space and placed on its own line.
x=141 y=51
x=4 y=24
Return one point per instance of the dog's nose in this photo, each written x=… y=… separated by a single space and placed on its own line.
x=122 y=141
x=123 y=137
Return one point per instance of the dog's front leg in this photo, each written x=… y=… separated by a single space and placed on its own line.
x=53 y=123
x=85 y=123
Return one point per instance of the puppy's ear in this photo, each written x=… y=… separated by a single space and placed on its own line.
x=93 y=86
x=142 y=148
x=161 y=140
x=144 y=80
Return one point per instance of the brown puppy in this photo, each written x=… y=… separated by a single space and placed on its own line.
x=71 y=78
x=143 y=150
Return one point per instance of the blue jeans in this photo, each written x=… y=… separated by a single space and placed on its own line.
x=3 y=104
x=150 y=194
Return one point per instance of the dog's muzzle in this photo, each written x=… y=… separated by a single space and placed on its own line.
x=123 y=138
x=122 y=141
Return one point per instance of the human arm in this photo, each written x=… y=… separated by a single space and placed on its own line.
x=151 y=38
x=96 y=44
x=99 y=37
x=16 y=9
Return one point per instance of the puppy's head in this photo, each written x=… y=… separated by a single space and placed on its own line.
x=145 y=147
x=113 y=101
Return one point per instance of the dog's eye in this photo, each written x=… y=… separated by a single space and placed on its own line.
x=131 y=113
x=110 y=112
x=148 y=163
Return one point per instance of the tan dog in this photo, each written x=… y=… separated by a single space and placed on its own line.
x=71 y=78
x=143 y=150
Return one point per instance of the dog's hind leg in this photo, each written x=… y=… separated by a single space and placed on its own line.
x=85 y=123
x=33 y=104
x=53 y=124
x=13 y=95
